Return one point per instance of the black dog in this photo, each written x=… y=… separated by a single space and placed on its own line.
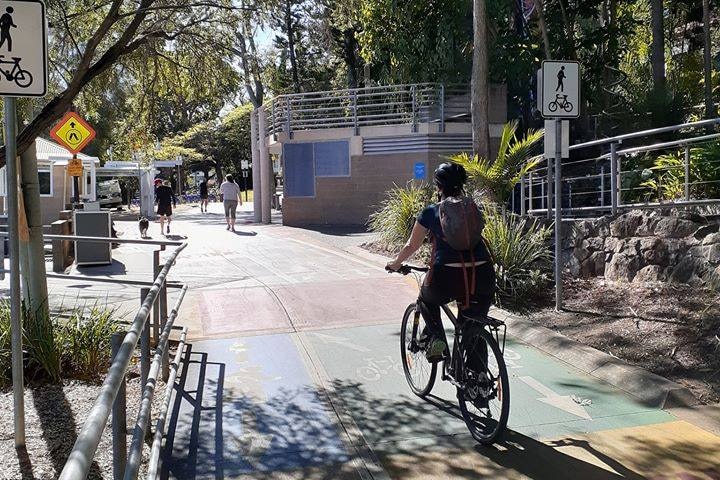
x=144 y=224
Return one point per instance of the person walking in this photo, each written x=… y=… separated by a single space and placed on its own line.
x=231 y=197
x=203 y=196
x=164 y=196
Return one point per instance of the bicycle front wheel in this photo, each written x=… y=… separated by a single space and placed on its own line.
x=419 y=373
x=23 y=78
x=485 y=397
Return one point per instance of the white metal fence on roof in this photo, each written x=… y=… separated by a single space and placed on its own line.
x=410 y=104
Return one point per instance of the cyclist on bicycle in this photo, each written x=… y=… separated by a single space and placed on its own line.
x=465 y=275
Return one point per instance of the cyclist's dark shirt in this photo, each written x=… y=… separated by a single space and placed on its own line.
x=444 y=253
x=203 y=189
x=165 y=195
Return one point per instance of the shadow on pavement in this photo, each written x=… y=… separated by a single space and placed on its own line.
x=116 y=268
x=216 y=431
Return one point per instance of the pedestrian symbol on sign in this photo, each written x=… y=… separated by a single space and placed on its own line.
x=561 y=77
x=6 y=23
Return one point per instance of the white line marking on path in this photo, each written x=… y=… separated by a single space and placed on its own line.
x=345 y=342
x=563 y=402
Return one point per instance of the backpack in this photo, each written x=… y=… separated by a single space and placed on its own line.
x=462 y=223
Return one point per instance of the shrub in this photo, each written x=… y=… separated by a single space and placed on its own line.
x=519 y=247
x=396 y=216
x=495 y=180
x=85 y=340
x=73 y=343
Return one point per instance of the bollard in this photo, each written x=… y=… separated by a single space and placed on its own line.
x=145 y=343
x=155 y=310
x=119 y=420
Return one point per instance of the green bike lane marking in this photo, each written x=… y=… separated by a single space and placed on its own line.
x=364 y=369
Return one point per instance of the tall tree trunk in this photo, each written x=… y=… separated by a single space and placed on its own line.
x=35 y=277
x=709 y=103
x=539 y=7
x=290 y=31
x=657 y=51
x=479 y=88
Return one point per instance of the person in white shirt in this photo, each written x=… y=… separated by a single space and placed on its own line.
x=231 y=197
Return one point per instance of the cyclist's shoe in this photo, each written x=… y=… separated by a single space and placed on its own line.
x=435 y=350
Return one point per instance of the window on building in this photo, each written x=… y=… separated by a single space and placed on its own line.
x=299 y=170
x=45 y=178
x=332 y=159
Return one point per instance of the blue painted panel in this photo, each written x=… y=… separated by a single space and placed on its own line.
x=299 y=170
x=420 y=173
x=332 y=159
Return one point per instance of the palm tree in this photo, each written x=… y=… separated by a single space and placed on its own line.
x=495 y=180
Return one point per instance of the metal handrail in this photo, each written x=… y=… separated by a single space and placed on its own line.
x=143 y=418
x=80 y=459
x=644 y=133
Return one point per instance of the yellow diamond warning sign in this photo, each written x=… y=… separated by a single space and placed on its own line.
x=72 y=132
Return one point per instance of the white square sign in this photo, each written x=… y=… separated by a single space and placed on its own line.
x=560 y=86
x=23 y=48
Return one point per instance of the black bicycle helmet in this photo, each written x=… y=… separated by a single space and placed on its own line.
x=450 y=177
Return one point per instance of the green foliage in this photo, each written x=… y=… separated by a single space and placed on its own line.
x=74 y=343
x=495 y=180
x=395 y=218
x=665 y=179
x=519 y=247
x=418 y=41
x=85 y=340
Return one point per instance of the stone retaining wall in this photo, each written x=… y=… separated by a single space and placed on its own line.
x=646 y=246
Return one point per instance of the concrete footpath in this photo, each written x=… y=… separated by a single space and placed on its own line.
x=293 y=371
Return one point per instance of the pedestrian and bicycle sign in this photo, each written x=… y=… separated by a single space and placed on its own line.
x=560 y=89
x=72 y=132
x=23 y=48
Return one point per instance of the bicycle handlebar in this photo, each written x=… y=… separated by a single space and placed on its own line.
x=406 y=269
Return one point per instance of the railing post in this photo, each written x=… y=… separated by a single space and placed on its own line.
x=119 y=419
x=570 y=196
x=272 y=113
x=530 y=191
x=145 y=343
x=523 y=207
x=414 y=108
x=512 y=199
x=542 y=194
x=442 y=108
x=155 y=310
x=355 y=113
x=163 y=320
x=602 y=186
x=549 y=190
x=613 y=179
x=687 y=173
x=288 y=118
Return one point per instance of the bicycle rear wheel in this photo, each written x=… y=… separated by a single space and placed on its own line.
x=419 y=373
x=485 y=399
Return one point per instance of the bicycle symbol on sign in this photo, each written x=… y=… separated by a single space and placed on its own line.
x=560 y=101
x=21 y=77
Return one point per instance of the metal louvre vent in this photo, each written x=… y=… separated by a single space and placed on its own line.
x=417 y=143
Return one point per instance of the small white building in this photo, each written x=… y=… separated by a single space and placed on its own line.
x=56 y=186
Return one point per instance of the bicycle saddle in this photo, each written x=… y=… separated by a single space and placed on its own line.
x=17 y=59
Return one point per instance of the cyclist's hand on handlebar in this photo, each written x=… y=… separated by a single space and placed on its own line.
x=393 y=266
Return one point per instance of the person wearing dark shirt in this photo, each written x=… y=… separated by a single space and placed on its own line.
x=165 y=199
x=449 y=269
x=203 y=196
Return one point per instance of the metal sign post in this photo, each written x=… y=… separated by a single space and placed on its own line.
x=15 y=293
x=24 y=51
x=558 y=215
x=558 y=98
